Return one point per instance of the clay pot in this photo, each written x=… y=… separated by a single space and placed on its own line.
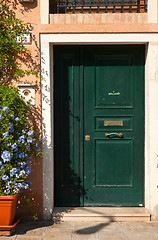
x=7 y=209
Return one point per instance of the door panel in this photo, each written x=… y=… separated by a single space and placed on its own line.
x=68 y=191
x=99 y=90
x=117 y=72
x=114 y=104
x=118 y=162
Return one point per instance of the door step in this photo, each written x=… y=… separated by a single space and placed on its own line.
x=101 y=214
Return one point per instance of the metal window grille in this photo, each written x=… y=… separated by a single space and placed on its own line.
x=106 y=6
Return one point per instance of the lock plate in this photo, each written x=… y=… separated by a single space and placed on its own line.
x=87 y=137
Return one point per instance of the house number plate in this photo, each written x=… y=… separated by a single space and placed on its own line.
x=113 y=123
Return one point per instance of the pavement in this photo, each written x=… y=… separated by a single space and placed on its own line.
x=40 y=230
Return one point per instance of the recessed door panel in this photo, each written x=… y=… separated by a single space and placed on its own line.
x=113 y=90
x=110 y=153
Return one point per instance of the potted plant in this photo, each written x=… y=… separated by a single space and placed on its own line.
x=19 y=143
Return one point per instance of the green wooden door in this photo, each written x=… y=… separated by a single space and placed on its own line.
x=114 y=103
x=99 y=105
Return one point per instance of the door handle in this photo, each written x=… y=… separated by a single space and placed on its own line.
x=111 y=134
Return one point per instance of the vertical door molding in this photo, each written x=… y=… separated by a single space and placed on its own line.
x=152 y=11
x=47 y=130
x=44 y=11
x=151 y=127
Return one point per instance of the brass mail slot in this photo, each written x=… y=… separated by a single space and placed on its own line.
x=113 y=123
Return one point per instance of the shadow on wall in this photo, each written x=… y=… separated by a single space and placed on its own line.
x=30 y=201
x=25 y=7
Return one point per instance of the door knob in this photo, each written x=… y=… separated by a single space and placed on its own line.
x=111 y=134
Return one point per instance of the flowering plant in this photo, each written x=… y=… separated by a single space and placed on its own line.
x=18 y=142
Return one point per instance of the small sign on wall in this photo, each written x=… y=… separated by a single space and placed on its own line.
x=25 y=39
x=28 y=92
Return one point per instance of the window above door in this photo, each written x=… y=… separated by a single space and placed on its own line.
x=98 y=6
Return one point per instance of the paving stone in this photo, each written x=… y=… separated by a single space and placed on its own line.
x=154 y=228
x=139 y=235
x=8 y=238
x=32 y=232
x=59 y=233
x=141 y=238
x=111 y=234
x=28 y=238
x=111 y=226
x=84 y=237
x=56 y=237
x=136 y=226
x=105 y=237
x=63 y=225
x=86 y=228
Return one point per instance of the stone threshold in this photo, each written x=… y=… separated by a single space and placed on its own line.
x=101 y=214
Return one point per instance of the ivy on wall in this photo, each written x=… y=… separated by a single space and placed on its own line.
x=14 y=56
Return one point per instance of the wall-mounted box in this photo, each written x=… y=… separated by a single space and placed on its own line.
x=28 y=92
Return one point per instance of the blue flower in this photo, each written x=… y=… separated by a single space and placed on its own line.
x=1 y=116
x=28 y=170
x=5 y=177
x=28 y=182
x=5 y=108
x=25 y=185
x=7 y=191
x=17 y=119
x=12 y=116
x=9 y=125
x=30 y=133
x=6 y=156
x=22 y=172
x=2 y=167
x=14 y=146
x=23 y=164
x=11 y=129
x=5 y=134
x=21 y=155
x=29 y=140
x=13 y=172
x=22 y=138
x=23 y=131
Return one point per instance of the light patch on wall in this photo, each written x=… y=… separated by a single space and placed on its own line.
x=28 y=92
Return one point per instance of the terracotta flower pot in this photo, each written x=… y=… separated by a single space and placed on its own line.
x=7 y=209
